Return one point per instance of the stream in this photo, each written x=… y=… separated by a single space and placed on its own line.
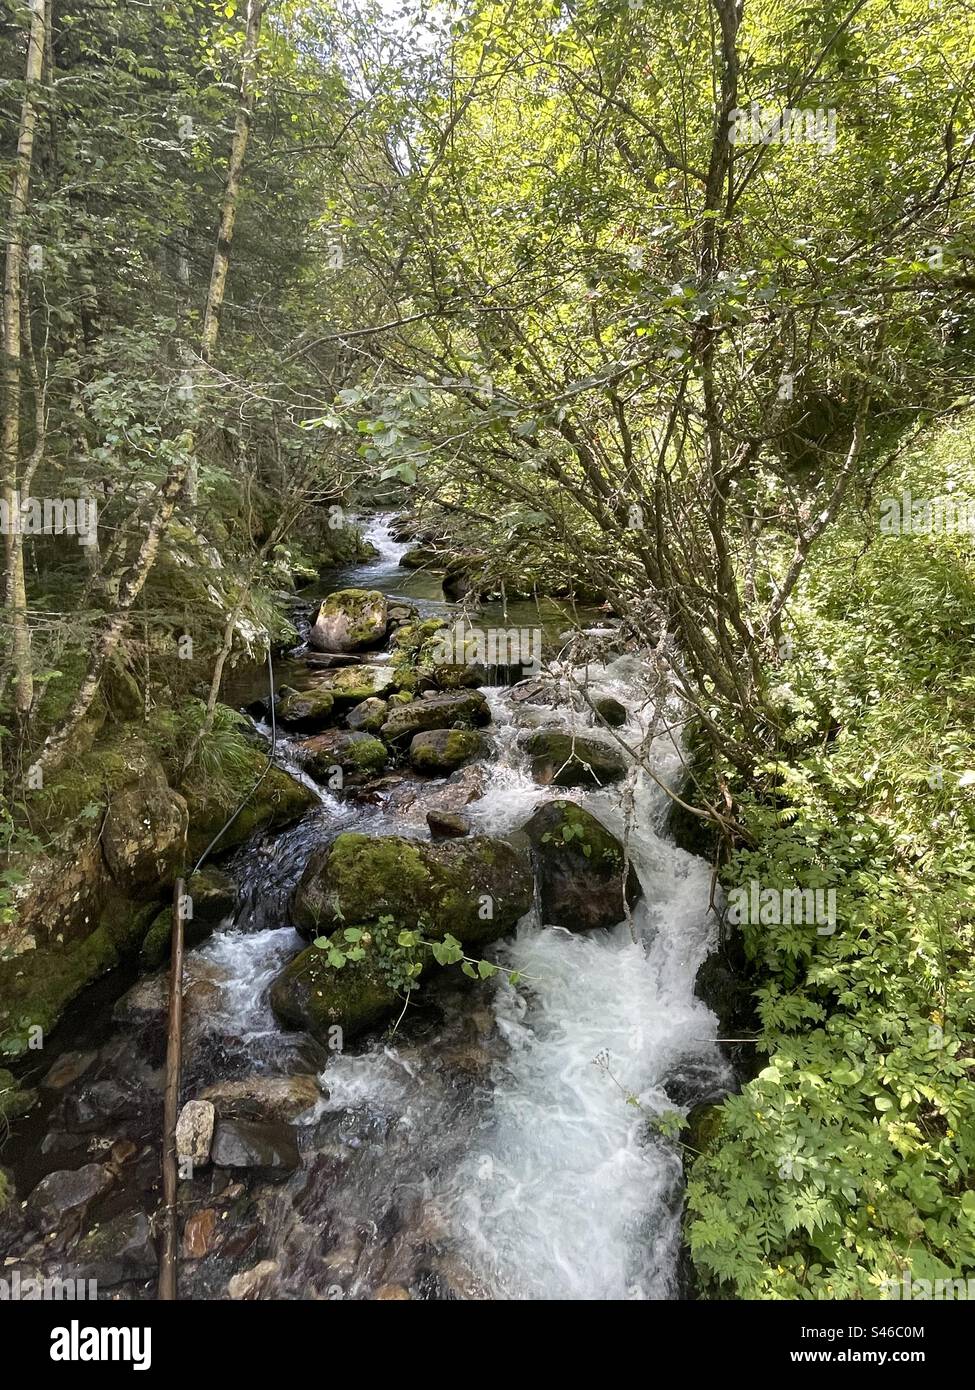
x=500 y=1144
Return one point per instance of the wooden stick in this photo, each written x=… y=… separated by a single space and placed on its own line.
x=174 y=1057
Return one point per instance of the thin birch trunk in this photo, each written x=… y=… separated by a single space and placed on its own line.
x=15 y=587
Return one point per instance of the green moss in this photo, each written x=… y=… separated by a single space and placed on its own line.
x=367 y=754
x=443 y=750
x=362 y=878
x=353 y=684
x=213 y=895
x=278 y=801
x=6 y=1191
x=36 y=987
x=310 y=994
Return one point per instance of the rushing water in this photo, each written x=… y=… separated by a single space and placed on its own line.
x=513 y=1136
x=501 y=1144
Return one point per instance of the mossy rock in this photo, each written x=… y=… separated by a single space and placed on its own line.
x=369 y=717
x=144 y=834
x=351 y=751
x=349 y=620
x=350 y=685
x=37 y=986
x=466 y=709
x=580 y=868
x=449 y=885
x=304 y=710
x=213 y=894
x=311 y=995
x=439 y=751
x=418 y=658
x=571 y=760
x=278 y=801
x=7 y=1191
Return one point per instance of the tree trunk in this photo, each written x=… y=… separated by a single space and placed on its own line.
x=56 y=745
x=15 y=587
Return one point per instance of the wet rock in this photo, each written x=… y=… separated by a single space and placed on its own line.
x=421 y=557
x=120 y=1249
x=67 y=1069
x=194 y=1132
x=368 y=717
x=198 y=1234
x=264 y=1097
x=571 y=760
x=438 y=751
x=67 y=1193
x=464 y=709
x=268 y=1147
x=401 y=613
x=580 y=868
x=535 y=692
x=305 y=710
x=352 y=752
x=311 y=995
x=447 y=825
x=610 y=710
x=477 y=888
x=144 y=836
x=252 y=1283
x=349 y=620
x=145 y=1008
x=98 y=1104
x=212 y=896
x=460 y=789
x=278 y=800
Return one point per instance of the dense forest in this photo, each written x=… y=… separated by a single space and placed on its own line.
x=488 y=507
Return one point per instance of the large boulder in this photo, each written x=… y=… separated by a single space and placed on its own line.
x=580 y=868
x=439 y=751
x=350 y=685
x=349 y=620
x=352 y=752
x=275 y=801
x=465 y=709
x=312 y=995
x=144 y=836
x=476 y=888
x=306 y=710
x=571 y=760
